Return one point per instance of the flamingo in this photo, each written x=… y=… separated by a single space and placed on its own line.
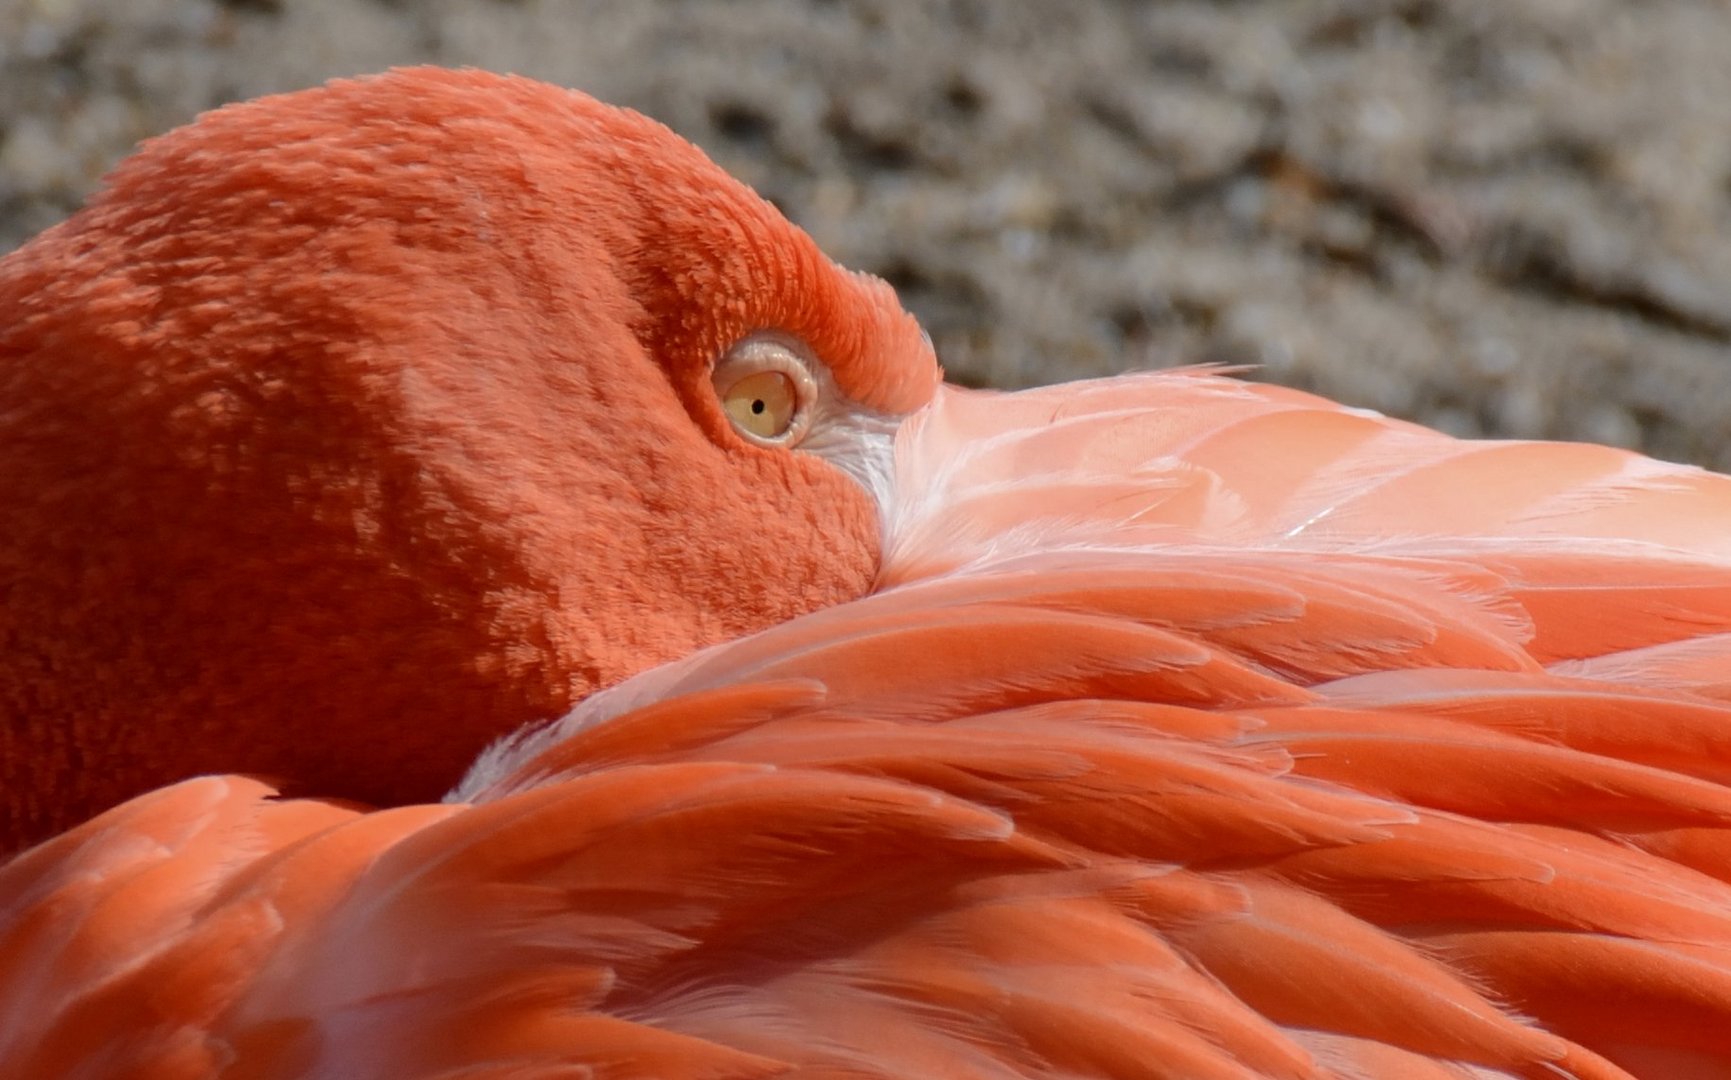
x=799 y=715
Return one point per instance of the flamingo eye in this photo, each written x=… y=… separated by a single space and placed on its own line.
x=767 y=391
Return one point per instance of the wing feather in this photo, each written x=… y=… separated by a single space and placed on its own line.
x=1198 y=730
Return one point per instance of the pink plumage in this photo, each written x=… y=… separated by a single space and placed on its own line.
x=1189 y=728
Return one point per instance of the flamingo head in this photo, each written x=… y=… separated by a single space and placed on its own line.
x=350 y=429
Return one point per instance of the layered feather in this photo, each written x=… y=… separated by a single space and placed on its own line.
x=1197 y=729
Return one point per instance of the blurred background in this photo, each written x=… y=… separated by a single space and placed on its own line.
x=1494 y=216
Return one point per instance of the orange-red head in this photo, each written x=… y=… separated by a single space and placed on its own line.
x=349 y=429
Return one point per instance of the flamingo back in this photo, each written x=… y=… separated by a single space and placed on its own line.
x=1196 y=730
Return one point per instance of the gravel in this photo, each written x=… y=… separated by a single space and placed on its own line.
x=1501 y=217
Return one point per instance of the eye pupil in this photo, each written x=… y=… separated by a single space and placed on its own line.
x=758 y=406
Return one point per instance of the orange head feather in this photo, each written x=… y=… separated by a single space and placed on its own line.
x=349 y=429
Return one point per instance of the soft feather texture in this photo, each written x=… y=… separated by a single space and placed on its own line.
x=1167 y=748
x=350 y=429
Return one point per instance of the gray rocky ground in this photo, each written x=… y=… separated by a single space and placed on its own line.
x=1496 y=216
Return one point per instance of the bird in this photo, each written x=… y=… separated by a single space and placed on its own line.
x=514 y=608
